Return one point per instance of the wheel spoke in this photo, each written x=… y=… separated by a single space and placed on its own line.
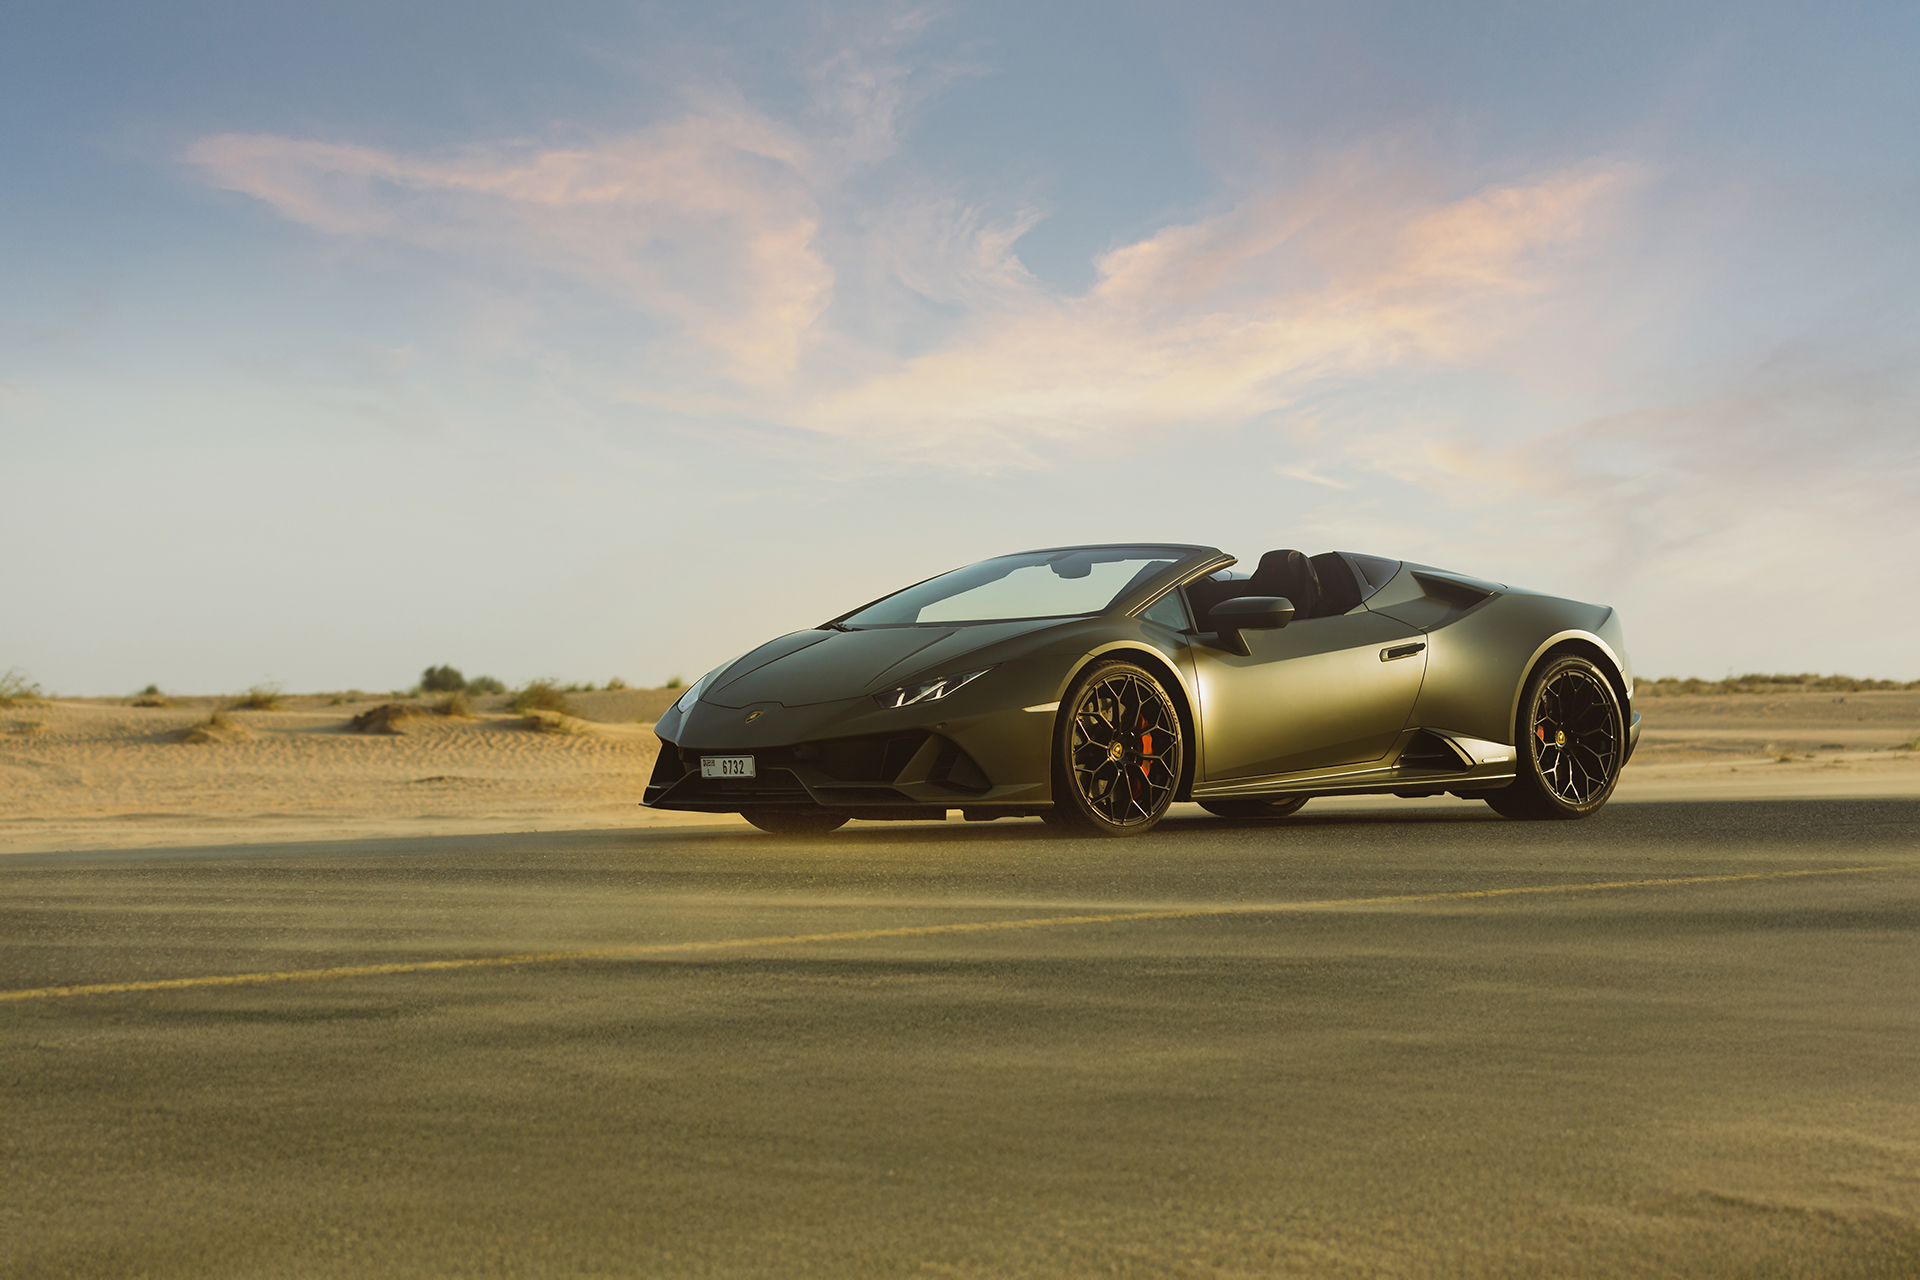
x=1574 y=704
x=1123 y=749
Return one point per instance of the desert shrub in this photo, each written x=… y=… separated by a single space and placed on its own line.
x=1764 y=682
x=675 y=682
x=15 y=688
x=442 y=680
x=151 y=691
x=543 y=695
x=551 y=722
x=262 y=697
x=384 y=718
x=480 y=685
x=577 y=687
x=151 y=697
x=615 y=684
x=27 y=728
x=217 y=727
x=454 y=705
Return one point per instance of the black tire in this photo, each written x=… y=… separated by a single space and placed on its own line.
x=1117 y=752
x=791 y=822
x=1569 y=743
x=1254 y=808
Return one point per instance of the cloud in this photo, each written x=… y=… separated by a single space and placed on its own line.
x=1308 y=474
x=1751 y=488
x=1221 y=321
x=761 y=271
x=705 y=221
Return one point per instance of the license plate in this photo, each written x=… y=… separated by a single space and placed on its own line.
x=726 y=766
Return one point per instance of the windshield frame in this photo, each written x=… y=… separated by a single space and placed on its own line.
x=1181 y=557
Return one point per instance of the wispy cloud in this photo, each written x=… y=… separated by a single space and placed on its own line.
x=898 y=315
x=1744 y=492
x=1218 y=322
x=706 y=221
x=1308 y=474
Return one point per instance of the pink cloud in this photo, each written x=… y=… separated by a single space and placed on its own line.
x=706 y=221
x=1217 y=322
x=714 y=222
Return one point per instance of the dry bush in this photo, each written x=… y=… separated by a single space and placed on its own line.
x=1780 y=754
x=454 y=705
x=385 y=718
x=262 y=697
x=481 y=685
x=442 y=679
x=552 y=722
x=542 y=695
x=1762 y=682
x=616 y=684
x=674 y=682
x=151 y=697
x=16 y=690
x=218 y=727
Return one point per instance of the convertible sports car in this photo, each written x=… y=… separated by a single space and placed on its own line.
x=1095 y=686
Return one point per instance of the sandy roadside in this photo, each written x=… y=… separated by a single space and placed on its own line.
x=97 y=774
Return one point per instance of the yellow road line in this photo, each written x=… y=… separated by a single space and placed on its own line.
x=902 y=931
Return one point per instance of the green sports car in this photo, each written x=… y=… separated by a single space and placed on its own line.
x=1094 y=686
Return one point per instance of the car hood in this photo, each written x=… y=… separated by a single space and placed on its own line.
x=808 y=667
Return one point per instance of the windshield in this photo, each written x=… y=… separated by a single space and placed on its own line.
x=1038 y=584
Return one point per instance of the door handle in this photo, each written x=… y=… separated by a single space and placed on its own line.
x=1402 y=651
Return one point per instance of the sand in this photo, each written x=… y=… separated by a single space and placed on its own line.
x=95 y=774
x=100 y=774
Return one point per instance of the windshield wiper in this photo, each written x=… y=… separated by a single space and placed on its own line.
x=837 y=626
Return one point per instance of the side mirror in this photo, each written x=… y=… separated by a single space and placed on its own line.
x=1248 y=613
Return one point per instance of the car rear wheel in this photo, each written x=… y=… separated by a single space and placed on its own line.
x=1117 y=752
x=789 y=822
x=1570 y=743
x=1254 y=808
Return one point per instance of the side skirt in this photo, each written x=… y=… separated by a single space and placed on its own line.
x=1423 y=762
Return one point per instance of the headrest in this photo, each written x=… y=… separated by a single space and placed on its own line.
x=1289 y=574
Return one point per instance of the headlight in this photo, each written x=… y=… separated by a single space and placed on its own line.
x=929 y=691
x=692 y=695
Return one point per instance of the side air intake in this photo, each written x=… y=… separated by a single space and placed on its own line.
x=1431 y=753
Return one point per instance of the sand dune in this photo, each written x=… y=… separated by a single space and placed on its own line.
x=81 y=774
x=101 y=774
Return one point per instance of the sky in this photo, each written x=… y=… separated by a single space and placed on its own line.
x=593 y=340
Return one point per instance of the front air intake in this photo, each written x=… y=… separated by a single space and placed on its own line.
x=955 y=770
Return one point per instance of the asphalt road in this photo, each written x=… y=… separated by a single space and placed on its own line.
x=1319 y=1049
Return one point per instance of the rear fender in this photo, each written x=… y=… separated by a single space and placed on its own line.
x=1592 y=645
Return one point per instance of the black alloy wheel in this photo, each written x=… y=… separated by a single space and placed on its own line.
x=1569 y=745
x=1281 y=808
x=793 y=822
x=1117 y=752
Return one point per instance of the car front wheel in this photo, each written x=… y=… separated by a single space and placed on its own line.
x=1570 y=743
x=1117 y=752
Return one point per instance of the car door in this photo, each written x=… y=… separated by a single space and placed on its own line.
x=1318 y=693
